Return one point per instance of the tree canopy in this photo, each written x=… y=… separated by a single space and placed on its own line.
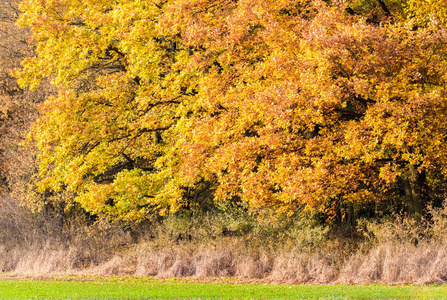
x=280 y=106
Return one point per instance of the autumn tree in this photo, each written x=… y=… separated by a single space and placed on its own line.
x=123 y=85
x=305 y=105
x=277 y=105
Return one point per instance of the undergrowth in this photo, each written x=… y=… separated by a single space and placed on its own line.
x=395 y=249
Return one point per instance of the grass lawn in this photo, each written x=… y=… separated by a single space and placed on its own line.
x=154 y=289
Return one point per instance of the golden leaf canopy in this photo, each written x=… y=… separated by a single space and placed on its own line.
x=277 y=105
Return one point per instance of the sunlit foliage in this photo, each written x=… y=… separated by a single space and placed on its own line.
x=277 y=105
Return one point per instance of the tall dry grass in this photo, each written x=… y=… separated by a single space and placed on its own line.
x=35 y=244
x=397 y=250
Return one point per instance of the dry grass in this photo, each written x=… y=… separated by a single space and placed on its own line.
x=398 y=263
x=397 y=251
x=384 y=263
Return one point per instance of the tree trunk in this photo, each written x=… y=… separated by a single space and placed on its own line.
x=414 y=187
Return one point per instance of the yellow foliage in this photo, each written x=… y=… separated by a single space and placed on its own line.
x=281 y=104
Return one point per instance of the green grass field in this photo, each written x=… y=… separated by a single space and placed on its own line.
x=30 y=289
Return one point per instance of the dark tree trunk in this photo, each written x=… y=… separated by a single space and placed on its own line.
x=414 y=186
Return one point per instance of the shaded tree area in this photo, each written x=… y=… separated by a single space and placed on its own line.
x=18 y=164
x=334 y=108
x=18 y=106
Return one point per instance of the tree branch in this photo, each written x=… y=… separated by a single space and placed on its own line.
x=385 y=8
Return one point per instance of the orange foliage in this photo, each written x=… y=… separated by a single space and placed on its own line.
x=284 y=105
